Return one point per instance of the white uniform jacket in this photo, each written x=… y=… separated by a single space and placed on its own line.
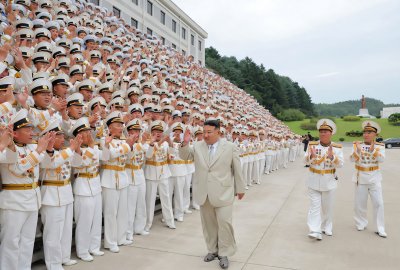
x=86 y=170
x=367 y=163
x=157 y=162
x=113 y=174
x=21 y=168
x=134 y=164
x=55 y=177
x=322 y=170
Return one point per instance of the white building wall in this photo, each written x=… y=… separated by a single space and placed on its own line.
x=386 y=112
x=128 y=9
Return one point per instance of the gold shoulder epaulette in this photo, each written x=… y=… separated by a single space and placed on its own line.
x=34 y=142
x=356 y=142
x=379 y=143
x=313 y=143
x=337 y=145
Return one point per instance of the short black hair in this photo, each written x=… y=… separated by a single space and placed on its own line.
x=214 y=123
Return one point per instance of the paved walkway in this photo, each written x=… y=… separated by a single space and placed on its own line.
x=271 y=231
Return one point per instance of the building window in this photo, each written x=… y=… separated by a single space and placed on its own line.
x=173 y=46
x=96 y=2
x=149 y=31
x=136 y=2
x=163 y=40
x=199 y=45
x=183 y=33
x=192 y=39
x=116 y=12
x=184 y=52
x=150 y=8
x=200 y=63
x=134 y=23
x=162 y=17
x=174 y=26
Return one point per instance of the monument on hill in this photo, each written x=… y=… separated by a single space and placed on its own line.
x=363 y=112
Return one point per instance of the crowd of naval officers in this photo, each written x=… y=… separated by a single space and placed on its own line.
x=92 y=114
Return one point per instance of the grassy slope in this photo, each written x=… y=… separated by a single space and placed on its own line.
x=388 y=130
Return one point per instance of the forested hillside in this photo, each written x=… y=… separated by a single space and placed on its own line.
x=273 y=91
x=351 y=107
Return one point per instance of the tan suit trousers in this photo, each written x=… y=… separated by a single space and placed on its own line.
x=218 y=229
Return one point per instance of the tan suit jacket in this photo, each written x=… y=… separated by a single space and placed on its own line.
x=219 y=178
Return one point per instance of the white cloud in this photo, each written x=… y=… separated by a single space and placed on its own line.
x=329 y=74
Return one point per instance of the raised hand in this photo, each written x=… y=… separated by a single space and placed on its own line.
x=108 y=140
x=372 y=147
x=76 y=143
x=51 y=142
x=5 y=137
x=358 y=147
x=330 y=152
x=93 y=119
x=186 y=136
x=43 y=142
x=313 y=152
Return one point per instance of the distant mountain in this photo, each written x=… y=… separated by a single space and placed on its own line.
x=351 y=107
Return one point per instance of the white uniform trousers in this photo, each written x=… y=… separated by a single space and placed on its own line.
x=176 y=186
x=285 y=157
x=321 y=210
x=360 y=206
x=217 y=229
x=151 y=192
x=250 y=173
x=136 y=209
x=115 y=212
x=261 y=167
x=87 y=215
x=57 y=234
x=186 y=191
x=292 y=154
x=17 y=237
x=255 y=172
x=268 y=163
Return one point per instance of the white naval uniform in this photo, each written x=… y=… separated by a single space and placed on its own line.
x=114 y=182
x=321 y=185
x=157 y=174
x=19 y=207
x=177 y=166
x=367 y=179
x=87 y=205
x=137 y=190
x=57 y=207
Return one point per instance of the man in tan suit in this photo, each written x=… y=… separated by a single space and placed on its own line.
x=218 y=179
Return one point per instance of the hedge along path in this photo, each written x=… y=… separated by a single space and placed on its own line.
x=388 y=130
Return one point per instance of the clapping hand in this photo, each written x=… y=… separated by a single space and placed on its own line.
x=330 y=152
x=75 y=144
x=372 y=147
x=313 y=152
x=186 y=136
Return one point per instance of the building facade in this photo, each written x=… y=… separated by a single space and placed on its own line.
x=164 y=19
x=386 y=112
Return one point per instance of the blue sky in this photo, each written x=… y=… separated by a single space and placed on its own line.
x=337 y=49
